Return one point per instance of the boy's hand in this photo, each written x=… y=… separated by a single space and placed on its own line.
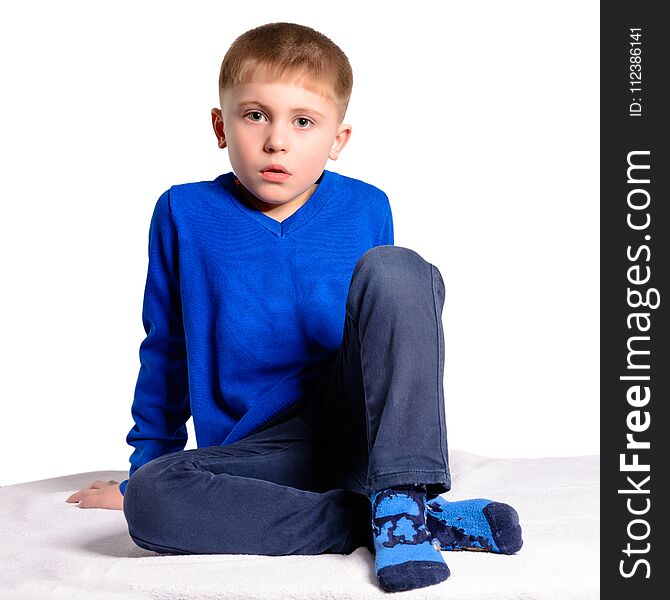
x=99 y=494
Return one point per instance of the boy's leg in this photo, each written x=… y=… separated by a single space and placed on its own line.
x=260 y=495
x=386 y=414
x=387 y=422
x=385 y=419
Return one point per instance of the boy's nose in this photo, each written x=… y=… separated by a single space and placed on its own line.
x=276 y=139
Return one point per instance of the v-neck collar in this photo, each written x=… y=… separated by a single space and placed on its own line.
x=281 y=229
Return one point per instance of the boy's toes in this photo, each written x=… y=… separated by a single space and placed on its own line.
x=505 y=528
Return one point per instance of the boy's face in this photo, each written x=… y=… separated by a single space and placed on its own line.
x=265 y=124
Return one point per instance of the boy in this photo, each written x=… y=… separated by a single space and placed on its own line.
x=307 y=347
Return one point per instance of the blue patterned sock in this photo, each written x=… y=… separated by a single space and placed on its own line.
x=405 y=558
x=478 y=524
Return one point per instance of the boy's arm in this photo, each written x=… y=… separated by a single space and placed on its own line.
x=160 y=406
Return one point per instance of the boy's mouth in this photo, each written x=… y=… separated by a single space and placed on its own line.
x=275 y=168
x=275 y=176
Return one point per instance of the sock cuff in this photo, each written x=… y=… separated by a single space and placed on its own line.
x=414 y=487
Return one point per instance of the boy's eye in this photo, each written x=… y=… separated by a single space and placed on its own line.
x=254 y=112
x=303 y=120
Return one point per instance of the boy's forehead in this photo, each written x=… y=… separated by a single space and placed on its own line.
x=262 y=90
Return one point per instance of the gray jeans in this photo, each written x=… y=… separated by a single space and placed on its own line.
x=300 y=484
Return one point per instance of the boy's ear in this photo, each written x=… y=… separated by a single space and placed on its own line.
x=217 y=124
x=340 y=141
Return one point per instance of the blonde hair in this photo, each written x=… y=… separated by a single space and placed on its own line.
x=289 y=52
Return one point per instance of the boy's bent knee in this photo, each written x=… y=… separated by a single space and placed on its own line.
x=390 y=270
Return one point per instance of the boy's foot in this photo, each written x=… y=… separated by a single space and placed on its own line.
x=405 y=558
x=478 y=524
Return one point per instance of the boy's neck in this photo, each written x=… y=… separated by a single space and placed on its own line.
x=280 y=212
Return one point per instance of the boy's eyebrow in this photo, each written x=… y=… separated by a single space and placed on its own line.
x=264 y=107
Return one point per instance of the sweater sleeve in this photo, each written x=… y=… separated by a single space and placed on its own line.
x=387 y=231
x=160 y=406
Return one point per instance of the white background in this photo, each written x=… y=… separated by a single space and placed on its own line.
x=479 y=119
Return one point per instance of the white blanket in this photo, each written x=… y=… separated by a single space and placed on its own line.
x=53 y=549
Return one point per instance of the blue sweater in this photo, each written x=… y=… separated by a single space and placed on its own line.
x=242 y=312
